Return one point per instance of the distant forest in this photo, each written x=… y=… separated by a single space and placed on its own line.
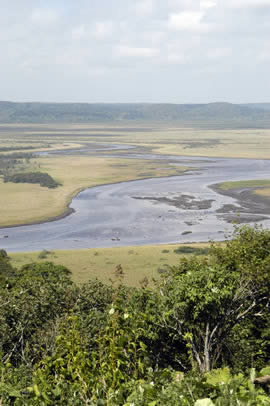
x=215 y=114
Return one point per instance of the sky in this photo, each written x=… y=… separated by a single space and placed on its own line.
x=161 y=51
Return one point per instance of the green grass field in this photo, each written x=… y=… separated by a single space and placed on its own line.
x=137 y=262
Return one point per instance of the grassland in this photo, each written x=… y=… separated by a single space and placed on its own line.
x=137 y=262
x=263 y=192
x=206 y=143
x=165 y=139
x=260 y=187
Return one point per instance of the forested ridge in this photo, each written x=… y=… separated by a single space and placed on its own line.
x=200 y=336
x=228 y=114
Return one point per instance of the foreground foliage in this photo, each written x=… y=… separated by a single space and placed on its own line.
x=201 y=337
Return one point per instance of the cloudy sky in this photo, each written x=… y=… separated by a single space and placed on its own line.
x=179 y=51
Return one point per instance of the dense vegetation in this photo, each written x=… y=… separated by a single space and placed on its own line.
x=17 y=148
x=42 y=178
x=200 y=337
x=253 y=115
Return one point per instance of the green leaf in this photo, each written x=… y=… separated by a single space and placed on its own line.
x=218 y=376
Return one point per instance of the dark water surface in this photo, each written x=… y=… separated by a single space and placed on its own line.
x=183 y=209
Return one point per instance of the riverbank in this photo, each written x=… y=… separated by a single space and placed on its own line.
x=251 y=206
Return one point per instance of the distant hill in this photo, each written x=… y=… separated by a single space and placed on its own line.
x=258 y=106
x=223 y=114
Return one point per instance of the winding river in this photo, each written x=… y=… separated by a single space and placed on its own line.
x=161 y=210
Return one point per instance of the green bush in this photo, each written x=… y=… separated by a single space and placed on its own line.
x=98 y=344
x=43 y=179
x=185 y=249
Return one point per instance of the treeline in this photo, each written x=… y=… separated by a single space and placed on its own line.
x=7 y=149
x=217 y=114
x=201 y=337
x=16 y=155
x=41 y=178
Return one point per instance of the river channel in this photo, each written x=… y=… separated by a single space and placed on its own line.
x=160 y=210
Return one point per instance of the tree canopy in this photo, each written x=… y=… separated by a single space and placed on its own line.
x=201 y=336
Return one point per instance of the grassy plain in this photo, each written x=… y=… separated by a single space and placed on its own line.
x=207 y=143
x=165 y=138
x=263 y=192
x=137 y=262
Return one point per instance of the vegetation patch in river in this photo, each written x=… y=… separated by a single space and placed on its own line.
x=251 y=207
x=187 y=249
x=182 y=201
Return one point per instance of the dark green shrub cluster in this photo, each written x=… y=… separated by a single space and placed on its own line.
x=201 y=337
x=43 y=179
x=44 y=253
x=7 y=164
x=186 y=249
x=7 y=149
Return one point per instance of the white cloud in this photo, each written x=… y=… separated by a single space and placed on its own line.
x=137 y=52
x=219 y=53
x=143 y=7
x=160 y=39
x=247 y=3
x=155 y=37
x=44 y=16
x=78 y=32
x=175 y=58
x=264 y=55
x=207 y=4
x=186 y=21
x=182 y=4
x=103 y=29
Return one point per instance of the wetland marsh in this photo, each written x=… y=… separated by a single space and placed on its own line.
x=172 y=198
x=160 y=209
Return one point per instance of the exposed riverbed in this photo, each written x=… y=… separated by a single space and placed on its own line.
x=161 y=210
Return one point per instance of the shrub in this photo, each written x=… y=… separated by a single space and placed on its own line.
x=43 y=179
x=44 y=254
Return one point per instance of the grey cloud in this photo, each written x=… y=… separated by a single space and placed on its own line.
x=127 y=50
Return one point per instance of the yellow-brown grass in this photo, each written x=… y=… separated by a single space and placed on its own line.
x=137 y=262
x=261 y=184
